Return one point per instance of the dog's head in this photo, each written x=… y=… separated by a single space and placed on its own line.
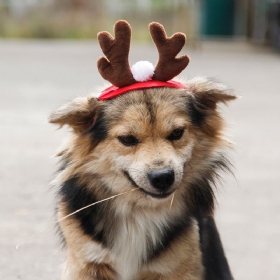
x=158 y=140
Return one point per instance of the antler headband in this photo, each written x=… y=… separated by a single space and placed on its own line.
x=115 y=66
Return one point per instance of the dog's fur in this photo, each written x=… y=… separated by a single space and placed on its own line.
x=116 y=145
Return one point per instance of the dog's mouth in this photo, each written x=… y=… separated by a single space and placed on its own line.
x=157 y=195
x=161 y=195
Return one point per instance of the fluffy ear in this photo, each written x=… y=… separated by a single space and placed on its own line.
x=207 y=93
x=80 y=114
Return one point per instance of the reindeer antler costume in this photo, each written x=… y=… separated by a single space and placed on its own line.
x=115 y=66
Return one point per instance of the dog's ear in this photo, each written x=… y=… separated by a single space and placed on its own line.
x=80 y=114
x=207 y=93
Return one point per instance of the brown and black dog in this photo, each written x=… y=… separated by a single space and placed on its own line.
x=166 y=145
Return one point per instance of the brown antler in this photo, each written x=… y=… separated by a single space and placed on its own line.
x=115 y=68
x=168 y=65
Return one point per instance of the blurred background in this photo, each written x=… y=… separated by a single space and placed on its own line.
x=48 y=54
x=255 y=20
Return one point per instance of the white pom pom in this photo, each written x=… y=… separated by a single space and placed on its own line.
x=142 y=71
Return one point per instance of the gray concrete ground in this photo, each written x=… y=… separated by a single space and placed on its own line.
x=38 y=76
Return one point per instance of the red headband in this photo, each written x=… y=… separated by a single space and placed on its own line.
x=114 y=91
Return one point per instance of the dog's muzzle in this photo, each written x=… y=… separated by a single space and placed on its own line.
x=161 y=182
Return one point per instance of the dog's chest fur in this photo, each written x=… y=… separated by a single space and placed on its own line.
x=138 y=237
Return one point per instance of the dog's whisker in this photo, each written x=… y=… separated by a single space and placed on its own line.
x=172 y=198
x=71 y=214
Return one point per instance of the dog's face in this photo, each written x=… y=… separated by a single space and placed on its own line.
x=156 y=140
x=150 y=140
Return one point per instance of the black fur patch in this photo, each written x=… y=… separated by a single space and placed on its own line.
x=202 y=191
x=214 y=260
x=99 y=130
x=196 y=114
x=94 y=220
x=202 y=198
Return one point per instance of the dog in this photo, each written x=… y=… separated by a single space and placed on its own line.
x=147 y=162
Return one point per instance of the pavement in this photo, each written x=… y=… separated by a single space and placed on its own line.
x=38 y=76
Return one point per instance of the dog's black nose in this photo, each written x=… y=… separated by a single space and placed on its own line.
x=161 y=179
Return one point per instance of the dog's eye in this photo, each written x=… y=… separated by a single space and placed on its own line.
x=176 y=134
x=128 y=140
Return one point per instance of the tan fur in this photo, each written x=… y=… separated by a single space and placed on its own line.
x=79 y=265
x=151 y=116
